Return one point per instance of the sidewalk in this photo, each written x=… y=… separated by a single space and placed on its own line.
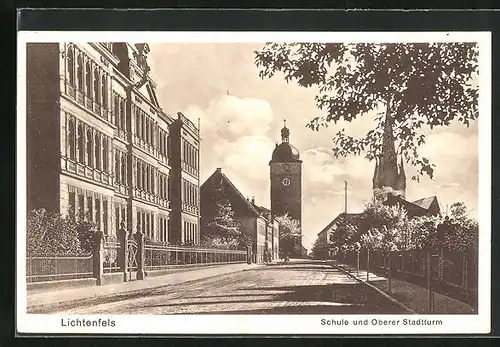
x=57 y=300
x=411 y=295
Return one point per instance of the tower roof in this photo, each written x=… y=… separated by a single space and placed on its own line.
x=388 y=173
x=285 y=152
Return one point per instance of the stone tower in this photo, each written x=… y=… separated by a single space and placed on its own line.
x=286 y=182
x=389 y=175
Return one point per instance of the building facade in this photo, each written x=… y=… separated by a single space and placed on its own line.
x=286 y=183
x=99 y=146
x=255 y=221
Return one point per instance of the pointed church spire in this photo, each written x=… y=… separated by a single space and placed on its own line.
x=387 y=174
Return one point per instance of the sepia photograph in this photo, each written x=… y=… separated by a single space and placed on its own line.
x=342 y=179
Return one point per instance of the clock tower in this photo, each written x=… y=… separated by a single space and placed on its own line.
x=286 y=183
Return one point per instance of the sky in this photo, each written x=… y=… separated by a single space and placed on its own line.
x=241 y=116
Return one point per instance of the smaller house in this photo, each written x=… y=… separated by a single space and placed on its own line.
x=326 y=236
x=272 y=230
x=255 y=221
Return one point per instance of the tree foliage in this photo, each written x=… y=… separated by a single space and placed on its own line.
x=222 y=230
x=317 y=251
x=289 y=232
x=412 y=85
x=53 y=234
x=384 y=227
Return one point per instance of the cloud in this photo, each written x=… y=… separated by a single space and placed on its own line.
x=234 y=136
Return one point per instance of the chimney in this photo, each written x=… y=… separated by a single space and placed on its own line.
x=253 y=200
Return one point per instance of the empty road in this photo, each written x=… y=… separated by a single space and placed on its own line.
x=297 y=287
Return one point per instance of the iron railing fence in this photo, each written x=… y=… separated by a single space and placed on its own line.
x=56 y=268
x=453 y=268
x=159 y=255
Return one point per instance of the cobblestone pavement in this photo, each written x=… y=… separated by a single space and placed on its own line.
x=295 y=287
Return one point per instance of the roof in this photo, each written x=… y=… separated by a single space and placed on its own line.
x=349 y=216
x=217 y=179
x=417 y=207
x=425 y=202
x=285 y=153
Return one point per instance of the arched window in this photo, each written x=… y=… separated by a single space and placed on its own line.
x=105 y=155
x=116 y=110
x=117 y=167
x=79 y=72
x=96 y=87
x=124 y=173
x=81 y=141
x=122 y=115
x=71 y=66
x=90 y=161
x=97 y=151
x=104 y=86
x=71 y=139
x=88 y=78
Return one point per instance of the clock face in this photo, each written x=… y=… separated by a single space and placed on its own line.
x=286 y=181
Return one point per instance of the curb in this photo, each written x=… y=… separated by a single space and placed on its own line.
x=381 y=292
x=113 y=297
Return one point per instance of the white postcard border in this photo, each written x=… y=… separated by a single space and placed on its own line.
x=264 y=324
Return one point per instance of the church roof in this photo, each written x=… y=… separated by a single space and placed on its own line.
x=418 y=207
x=425 y=202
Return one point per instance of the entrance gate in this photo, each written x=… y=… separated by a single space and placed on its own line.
x=132 y=248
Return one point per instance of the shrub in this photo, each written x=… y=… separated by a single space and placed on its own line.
x=53 y=234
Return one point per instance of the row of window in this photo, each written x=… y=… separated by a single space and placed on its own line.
x=145 y=126
x=121 y=168
x=190 y=193
x=119 y=110
x=145 y=223
x=145 y=176
x=164 y=185
x=162 y=229
x=190 y=155
x=164 y=143
x=121 y=215
x=87 y=76
x=89 y=208
x=90 y=144
x=190 y=232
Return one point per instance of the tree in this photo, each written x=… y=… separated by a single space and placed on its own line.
x=317 y=251
x=289 y=232
x=222 y=230
x=409 y=85
x=386 y=229
x=51 y=234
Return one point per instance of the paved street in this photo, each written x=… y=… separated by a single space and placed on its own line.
x=296 y=287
